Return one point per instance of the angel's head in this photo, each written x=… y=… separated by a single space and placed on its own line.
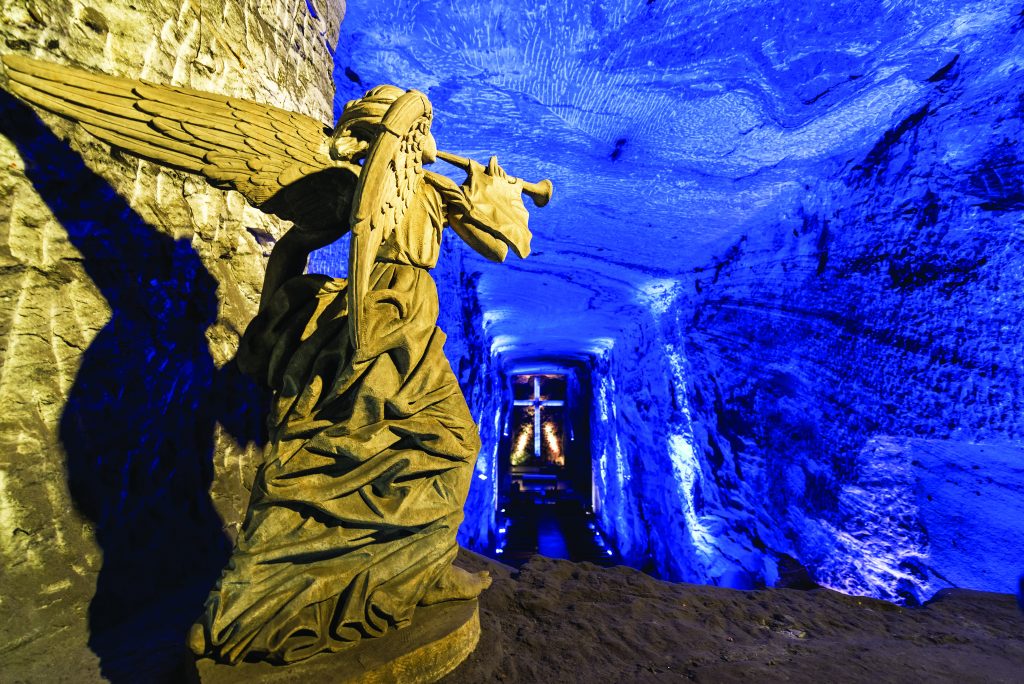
x=360 y=121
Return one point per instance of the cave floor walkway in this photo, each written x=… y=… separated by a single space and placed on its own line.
x=561 y=529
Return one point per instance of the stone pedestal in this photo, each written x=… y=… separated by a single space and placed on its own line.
x=439 y=638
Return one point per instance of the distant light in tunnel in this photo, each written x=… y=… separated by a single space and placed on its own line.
x=492 y=316
x=600 y=345
x=553 y=443
x=520 y=453
x=503 y=343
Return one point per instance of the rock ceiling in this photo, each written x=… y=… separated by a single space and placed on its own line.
x=669 y=129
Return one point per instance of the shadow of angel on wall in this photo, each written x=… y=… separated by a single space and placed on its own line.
x=138 y=424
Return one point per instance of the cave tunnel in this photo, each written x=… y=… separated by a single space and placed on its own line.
x=770 y=334
x=766 y=271
x=546 y=499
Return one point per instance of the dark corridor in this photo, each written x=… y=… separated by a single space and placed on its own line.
x=546 y=485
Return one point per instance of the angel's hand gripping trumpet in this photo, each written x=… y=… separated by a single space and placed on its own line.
x=539 y=192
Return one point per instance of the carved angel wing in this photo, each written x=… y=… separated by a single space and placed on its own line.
x=391 y=174
x=258 y=150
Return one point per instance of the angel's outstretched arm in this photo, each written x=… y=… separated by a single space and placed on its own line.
x=482 y=243
x=487 y=212
x=456 y=209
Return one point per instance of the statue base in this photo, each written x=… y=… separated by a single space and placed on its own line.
x=438 y=640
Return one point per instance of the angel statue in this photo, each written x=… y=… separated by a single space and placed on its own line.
x=352 y=520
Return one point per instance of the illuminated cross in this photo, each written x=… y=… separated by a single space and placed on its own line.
x=537 y=403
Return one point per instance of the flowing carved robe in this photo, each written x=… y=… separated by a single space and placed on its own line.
x=354 y=513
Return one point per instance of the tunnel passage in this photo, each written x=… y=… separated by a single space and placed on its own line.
x=785 y=242
x=545 y=484
x=538 y=462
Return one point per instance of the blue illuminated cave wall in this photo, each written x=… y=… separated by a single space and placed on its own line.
x=666 y=502
x=785 y=241
x=844 y=381
x=861 y=358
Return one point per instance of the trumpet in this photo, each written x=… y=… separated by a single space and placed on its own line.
x=539 y=192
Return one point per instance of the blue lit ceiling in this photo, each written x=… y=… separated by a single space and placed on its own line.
x=668 y=128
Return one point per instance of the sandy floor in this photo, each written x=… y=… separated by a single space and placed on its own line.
x=557 y=621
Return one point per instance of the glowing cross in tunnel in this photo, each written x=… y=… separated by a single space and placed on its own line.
x=537 y=404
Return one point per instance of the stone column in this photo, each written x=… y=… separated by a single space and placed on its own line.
x=127 y=438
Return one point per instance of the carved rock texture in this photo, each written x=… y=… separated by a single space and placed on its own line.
x=786 y=241
x=124 y=290
x=858 y=363
x=845 y=383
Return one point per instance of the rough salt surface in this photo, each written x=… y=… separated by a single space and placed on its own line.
x=129 y=438
x=783 y=240
x=784 y=249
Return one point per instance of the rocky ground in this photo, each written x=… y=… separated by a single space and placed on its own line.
x=556 y=621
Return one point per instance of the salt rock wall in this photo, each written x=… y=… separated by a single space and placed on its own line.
x=129 y=438
x=665 y=502
x=926 y=514
x=856 y=363
x=837 y=395
x=628 y=442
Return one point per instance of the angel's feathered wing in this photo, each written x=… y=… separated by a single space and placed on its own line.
x=279 y=160
x=391 y=174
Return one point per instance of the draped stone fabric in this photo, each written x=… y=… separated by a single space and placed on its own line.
x=354 y=513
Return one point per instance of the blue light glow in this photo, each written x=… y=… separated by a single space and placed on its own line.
x=786 y=242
